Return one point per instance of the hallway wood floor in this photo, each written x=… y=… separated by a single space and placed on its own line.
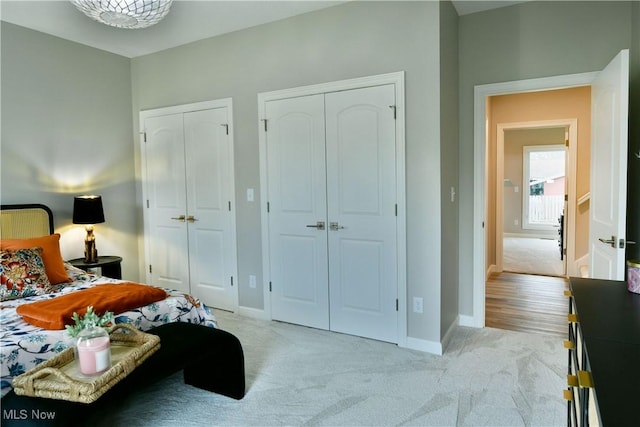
x=522 y=302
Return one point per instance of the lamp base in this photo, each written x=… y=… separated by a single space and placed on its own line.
x=90 y=252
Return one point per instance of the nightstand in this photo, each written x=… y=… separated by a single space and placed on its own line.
x=109 y=265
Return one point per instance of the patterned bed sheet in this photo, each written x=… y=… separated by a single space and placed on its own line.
x=23 y=346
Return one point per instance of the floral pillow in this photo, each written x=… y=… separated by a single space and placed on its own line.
x=22 y=274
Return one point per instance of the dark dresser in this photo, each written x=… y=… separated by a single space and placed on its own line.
x=603 y=378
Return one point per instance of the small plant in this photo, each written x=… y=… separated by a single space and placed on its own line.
x=90 y=318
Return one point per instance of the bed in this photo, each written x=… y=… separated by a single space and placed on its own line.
x=24 y=345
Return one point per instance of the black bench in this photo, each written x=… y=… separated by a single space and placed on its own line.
x=212 y=359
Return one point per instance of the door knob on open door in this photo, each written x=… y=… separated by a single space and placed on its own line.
x=611 y=242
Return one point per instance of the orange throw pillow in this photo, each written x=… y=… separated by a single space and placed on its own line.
x=51 y=256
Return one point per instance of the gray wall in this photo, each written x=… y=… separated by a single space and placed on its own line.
x=449 y=163
x=529 y=40
x=351 y=40
x=66 y=130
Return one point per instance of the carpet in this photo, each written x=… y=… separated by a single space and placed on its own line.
x=532 y=256
x=298 y=376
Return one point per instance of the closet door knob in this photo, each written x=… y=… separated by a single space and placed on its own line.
x=181 y=218
x=319 y=225
x=191 y=218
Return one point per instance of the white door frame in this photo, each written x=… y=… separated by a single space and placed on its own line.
x=481 y=92
x=391 y=78
x=572 y=126
x=186 y=108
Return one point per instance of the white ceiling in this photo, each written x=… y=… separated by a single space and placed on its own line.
x=187 y=21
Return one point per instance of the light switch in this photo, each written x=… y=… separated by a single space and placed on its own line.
x=249 y=194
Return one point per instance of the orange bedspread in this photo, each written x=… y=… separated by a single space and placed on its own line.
x=117 y=298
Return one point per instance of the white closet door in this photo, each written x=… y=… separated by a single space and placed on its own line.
x=165 y=183
x=361 y=188
x=297 y=202
x=209 y=218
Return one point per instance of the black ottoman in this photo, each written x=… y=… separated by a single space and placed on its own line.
x=212 y=359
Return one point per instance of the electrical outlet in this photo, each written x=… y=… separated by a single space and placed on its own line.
x=252 y=281
x=417 y=305
x=249 y=194
x=516 y=222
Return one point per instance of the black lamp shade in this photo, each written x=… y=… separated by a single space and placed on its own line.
x=87 y=210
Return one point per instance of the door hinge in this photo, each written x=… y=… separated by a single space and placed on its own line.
x=566 y=197
x=566 y=142
x=397 y=304
x=231 y=280
x=269 y=286
x=393 y=107
x=229 y=205
x=150 y=269
x=396 y=209
x=265 y=124
x=226 y=127
x=268 y=207
x=147 y=203
x=144 y=136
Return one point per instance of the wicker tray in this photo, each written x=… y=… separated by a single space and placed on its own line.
x=60 y=377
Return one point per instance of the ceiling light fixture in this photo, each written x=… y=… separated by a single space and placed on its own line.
x=125 y=13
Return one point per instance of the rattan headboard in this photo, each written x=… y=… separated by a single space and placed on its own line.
x=25 y=221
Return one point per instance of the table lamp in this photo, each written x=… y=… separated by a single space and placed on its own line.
x=87 y=210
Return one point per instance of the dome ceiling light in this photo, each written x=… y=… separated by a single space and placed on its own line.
x=125 y=13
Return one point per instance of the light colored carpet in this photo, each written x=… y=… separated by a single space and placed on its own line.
x=298 y=376
x=532 y=256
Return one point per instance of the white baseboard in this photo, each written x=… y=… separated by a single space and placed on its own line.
x=253 y=313
x=582 y=266
x=492 y=269
x=469 y=321
x=447 y=336
x=432 y=347
x=550 y=236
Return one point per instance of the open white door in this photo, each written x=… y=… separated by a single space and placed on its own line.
x=609 y=124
